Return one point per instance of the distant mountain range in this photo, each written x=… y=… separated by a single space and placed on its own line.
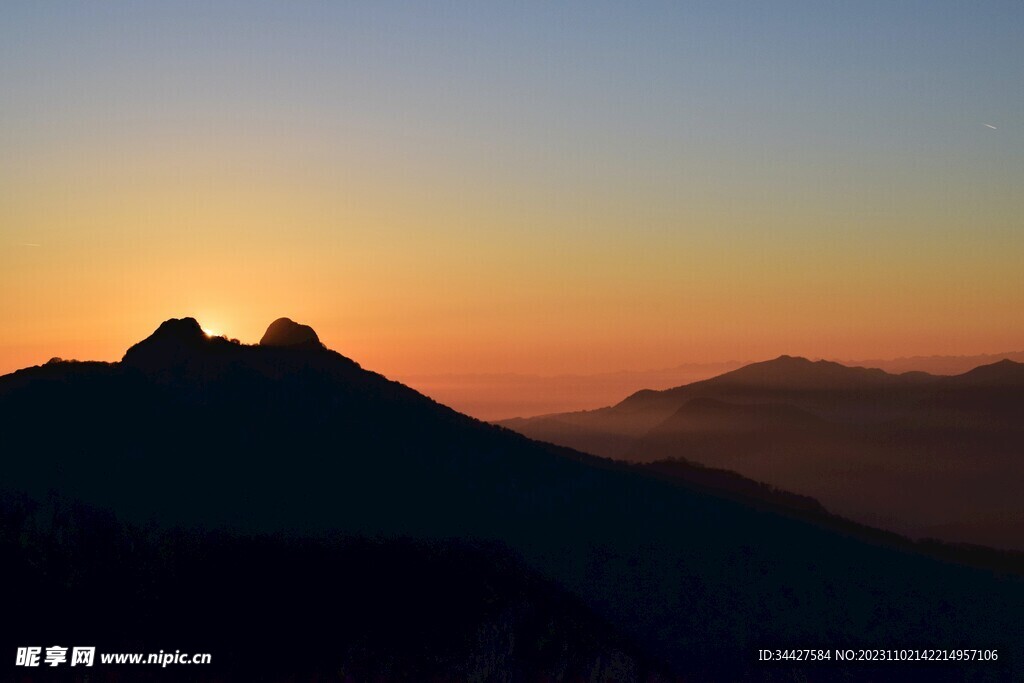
x=920 y=454
x=279 y=503
x=937 y=365
x=501 y=396
x=495 y=396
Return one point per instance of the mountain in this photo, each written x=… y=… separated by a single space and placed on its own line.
x=270 y=608
x=914 y=453
x=937 y=365
x=794 y=373
x=286 y=332
x=1005 y=373
x=500 y=396
x=494 y=396
x=199 y=480
x=612 y=431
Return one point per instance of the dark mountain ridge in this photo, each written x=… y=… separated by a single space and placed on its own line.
x=204 y=434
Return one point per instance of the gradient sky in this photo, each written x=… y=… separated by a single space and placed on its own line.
x=515 y=187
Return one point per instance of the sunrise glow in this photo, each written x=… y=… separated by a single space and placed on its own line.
x=644 y=190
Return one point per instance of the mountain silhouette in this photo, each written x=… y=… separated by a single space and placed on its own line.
x=612 y=431
x=936 y=365
x=1003 y=373
x=914 y=453
x=794 y=372
x=285 y=332
x=202 y=467
x=175 y=342
x=500 y=396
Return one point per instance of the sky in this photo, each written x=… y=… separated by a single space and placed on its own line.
x=528 y=187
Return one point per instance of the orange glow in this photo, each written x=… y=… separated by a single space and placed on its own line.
x=434 y=271
x=581 y=201
x=418 y=287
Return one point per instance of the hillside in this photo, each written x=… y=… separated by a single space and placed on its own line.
x=201 y=436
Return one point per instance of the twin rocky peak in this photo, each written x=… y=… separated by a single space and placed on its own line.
x=178 y=338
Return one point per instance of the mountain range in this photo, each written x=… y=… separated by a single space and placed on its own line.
x=498 y=396
x=278 y=501
x=925 y=455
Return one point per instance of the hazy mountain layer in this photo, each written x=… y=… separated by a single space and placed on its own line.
x=915 y=453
